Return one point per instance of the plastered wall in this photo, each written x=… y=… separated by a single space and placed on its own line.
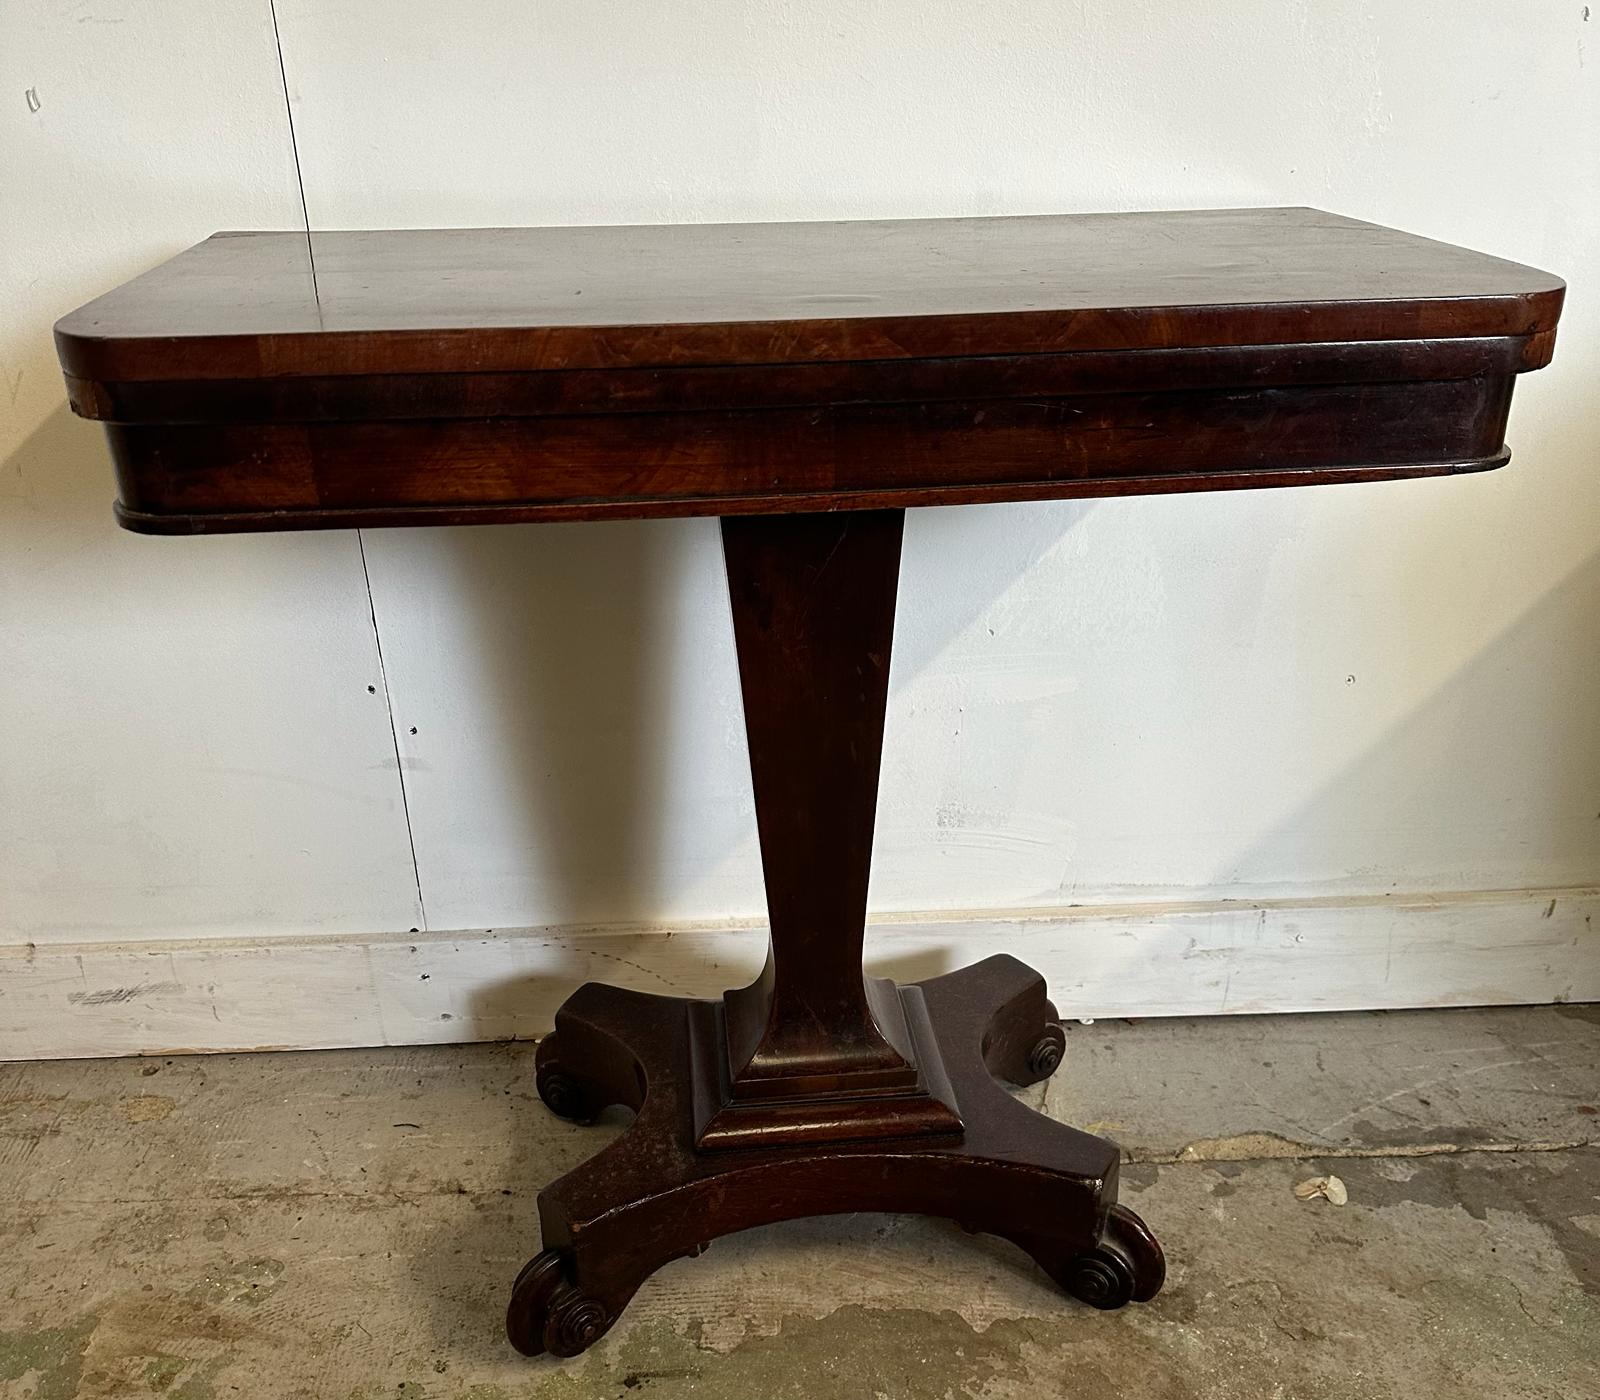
x=1325 y=693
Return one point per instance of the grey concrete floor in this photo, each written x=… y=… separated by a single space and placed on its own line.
x=344 y=1225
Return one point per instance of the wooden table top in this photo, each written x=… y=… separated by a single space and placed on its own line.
x=441 y=300
x=509 y=374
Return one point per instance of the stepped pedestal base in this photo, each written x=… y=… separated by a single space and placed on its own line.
x=992 y=1164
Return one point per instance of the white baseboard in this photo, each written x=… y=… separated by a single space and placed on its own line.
x=212 y=994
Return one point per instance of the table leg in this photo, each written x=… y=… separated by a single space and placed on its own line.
x=815 y=1090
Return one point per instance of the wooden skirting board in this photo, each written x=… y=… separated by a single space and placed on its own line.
x=1231 y=957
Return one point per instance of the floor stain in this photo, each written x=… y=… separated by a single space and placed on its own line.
x=54 y=1104
x=53 y=1356
x=1416 y=1140
x=1553 y=1190
x=1138 y=1176
x=178 y=1378
x=161 y=1372
x=202 y=1384
x=153 y=1343
x=1580 y=1011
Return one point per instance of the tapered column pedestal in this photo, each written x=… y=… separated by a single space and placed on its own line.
x=815 y=1090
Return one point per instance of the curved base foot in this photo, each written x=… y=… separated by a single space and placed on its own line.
x=1126 y=1266
x=548 y=1313
x=650 y=1197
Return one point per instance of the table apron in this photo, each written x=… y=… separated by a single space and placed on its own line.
x=190 y=477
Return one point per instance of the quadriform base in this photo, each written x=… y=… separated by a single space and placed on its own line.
x=651 y=1197
x=816 y=1090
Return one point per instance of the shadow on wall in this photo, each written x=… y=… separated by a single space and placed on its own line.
x=597 y=702
x=581 y=637
x=1515 y=699
x=187 y=743
x=56 y=489
x=1519 y=699
x=55 y=528
x=1515 y=695
x=608 y=697
x=572 y=628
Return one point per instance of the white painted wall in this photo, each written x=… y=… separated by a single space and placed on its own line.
x=1312 y=695
x=186 y=740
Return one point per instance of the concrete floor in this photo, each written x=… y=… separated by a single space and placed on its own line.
x=344 y=1225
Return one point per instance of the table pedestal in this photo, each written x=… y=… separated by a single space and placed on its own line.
x=815 y=1090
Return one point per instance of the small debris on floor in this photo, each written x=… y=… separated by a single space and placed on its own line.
x=1323 y=1188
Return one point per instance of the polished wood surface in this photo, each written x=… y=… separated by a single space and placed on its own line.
x=813 y=601
x=813 y=619
x=490 y=375
x=243 y=305
x=652 y=1196
x=806 y=382
x=188 y=479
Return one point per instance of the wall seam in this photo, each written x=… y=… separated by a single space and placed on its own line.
x=294 y=150
x=394 y=736
x=361 y=544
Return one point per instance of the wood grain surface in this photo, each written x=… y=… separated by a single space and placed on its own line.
x=244 y=305
x=468 y=376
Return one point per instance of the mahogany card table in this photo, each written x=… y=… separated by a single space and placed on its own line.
x=807 y=383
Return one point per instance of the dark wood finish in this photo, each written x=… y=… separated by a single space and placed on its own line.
x=813 y=618
x=651 y=1197
x=457 y=376
x=242 y=305
x=200 y=479
x=806 y=382
x=390 y=397
x=813 y=621
x=814 y=1089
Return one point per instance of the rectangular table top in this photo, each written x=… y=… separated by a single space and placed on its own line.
x=443 y=300
x=275 y=381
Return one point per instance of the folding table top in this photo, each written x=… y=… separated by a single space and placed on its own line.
x=441 y=300
x=273 y=381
